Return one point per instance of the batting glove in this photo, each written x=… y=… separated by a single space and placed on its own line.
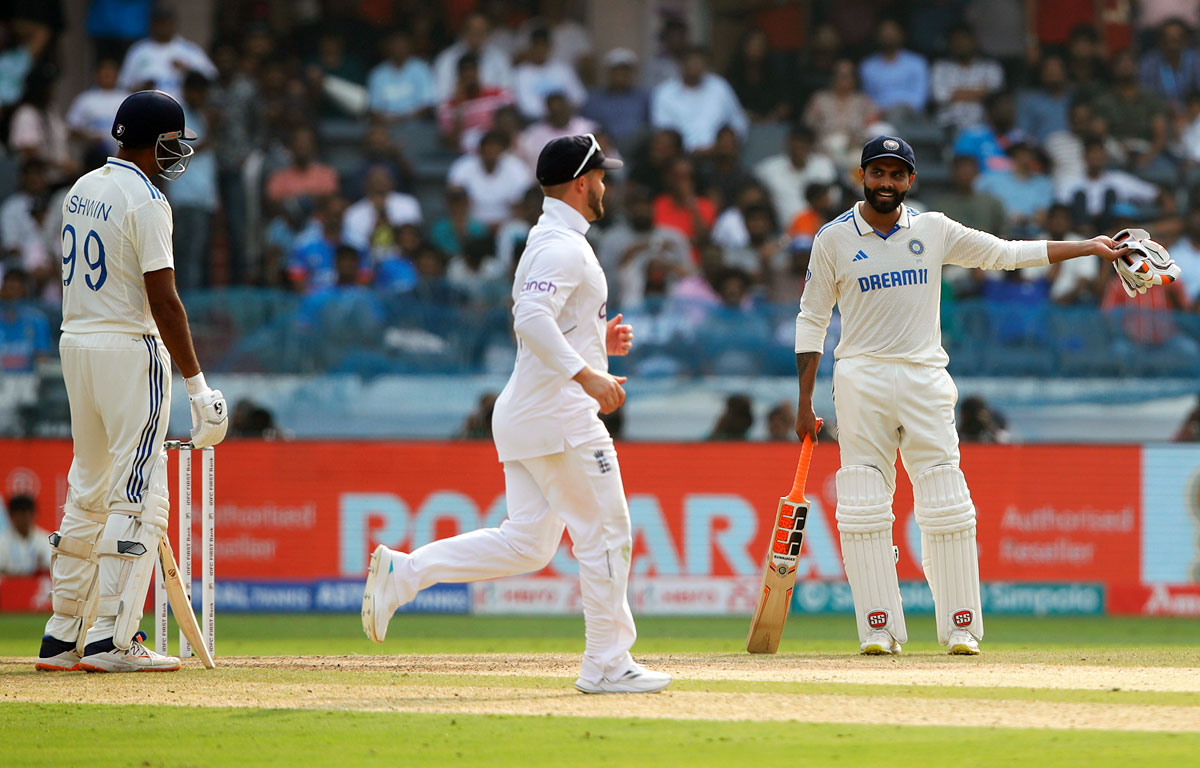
x=1143 y=262
x=210 y=414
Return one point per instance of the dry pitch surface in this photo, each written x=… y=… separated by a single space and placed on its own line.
x=918 y=689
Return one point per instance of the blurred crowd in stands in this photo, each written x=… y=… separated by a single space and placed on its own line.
x=363 y=179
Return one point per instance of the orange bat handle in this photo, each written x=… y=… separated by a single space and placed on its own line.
x=806 y=451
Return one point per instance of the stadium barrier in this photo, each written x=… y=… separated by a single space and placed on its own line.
x=1062 y=528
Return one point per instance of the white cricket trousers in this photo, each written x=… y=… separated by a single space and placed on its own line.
x=883 y=406
x=580 y=490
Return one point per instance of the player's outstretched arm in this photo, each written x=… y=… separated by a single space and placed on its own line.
x=210 y=415
x=1061 y=250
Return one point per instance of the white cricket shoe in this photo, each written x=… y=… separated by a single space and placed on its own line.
x=637 y=679
x=963 y=643
x=67 y=661
x=138 y=658
x=879 y=642
x=381 y=597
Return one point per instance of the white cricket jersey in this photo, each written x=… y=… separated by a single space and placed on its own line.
x=116 y=227
x=888 y=285
x=560 y=316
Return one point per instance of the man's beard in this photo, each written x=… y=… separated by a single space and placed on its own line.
x=883 y=206
x=595 y=204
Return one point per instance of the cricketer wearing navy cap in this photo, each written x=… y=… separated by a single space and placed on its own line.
x=569 y=157
x=889 y=146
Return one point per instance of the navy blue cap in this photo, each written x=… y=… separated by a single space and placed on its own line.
x=569 y=157
x=889 y=146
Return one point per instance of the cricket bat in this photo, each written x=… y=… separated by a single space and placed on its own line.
x=779 y=570
x=181 y=606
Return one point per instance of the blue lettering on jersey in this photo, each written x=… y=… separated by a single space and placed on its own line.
x=91 y=208
x=893 y=279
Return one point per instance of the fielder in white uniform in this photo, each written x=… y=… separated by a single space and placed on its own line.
x=560 y=467
x=123 y=324
x=881 y=262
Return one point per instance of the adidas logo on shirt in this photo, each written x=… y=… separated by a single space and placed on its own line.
x=860 y=256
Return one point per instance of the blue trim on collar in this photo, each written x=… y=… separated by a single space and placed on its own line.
x=154 y=191
x=895 y=228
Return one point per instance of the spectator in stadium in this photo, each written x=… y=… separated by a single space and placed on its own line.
x=38 y=129
x=781 y=423
x=840 y=116
x=1094 y=196
x=1074 y=281
x=979 y=423
x=637 y=246
x=621 y=107
x=471 y=109
x=975 y=209
x=1186 y=253
x=789 y=173
x=305 y=175
x=236 y=130
x=31 y=226
x=721 y=171
x=494 y=179
x=478 y=424
x=654 y=158
x=1148 y=321
x=682 y=209
x=559 y=120
x=897 y=80
x=451 y=233
x=249 y=419
x=538 y=76
x=1026 y=190
x=816 y=65
x=730 y=230
x=24 y=329
x=1065 y=148
x=19 y=49
x=512 y=235
x=401 y=87
x=1171 y=71
x=380 y=149
x=1087 y=65
x=310 y=263
x=161 y=60
x=493 y=66
x=370 y=223
x=1045 y=108
x=674 y=41
x=735 y=422
x=697 y=104
x=758 y=75
x=999 y=26
x=988 y=142
x=284 y=107
x=959 y=83
x=344 y=313
x=194 y=197
x=90 y=116
x=24 y=547
x=570 y=41
x=821 y=205
x=1137 y=119
x=331 y=58
x=763 y=255
x=477 y=273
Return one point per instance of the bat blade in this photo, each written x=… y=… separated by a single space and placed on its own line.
x=181 y=606
x=779 y=568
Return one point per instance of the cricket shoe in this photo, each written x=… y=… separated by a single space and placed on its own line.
x=103 y=656
x=57 y=656
x=963 y=643
x=879 y=642
x=382 y=595
x=637 y=679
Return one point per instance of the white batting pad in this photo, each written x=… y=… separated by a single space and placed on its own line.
x=864 y=517
x=73 y=571
x=948 y=550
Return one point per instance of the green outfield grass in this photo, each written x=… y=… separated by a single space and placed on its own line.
x=1159 y=641
x=151 y=734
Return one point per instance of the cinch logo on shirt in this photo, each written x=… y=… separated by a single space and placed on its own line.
x=893 y=279
x=544 y=286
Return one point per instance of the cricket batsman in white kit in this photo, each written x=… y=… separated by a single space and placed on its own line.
x=560 y=468
x=881 y=262
x=123 y=324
